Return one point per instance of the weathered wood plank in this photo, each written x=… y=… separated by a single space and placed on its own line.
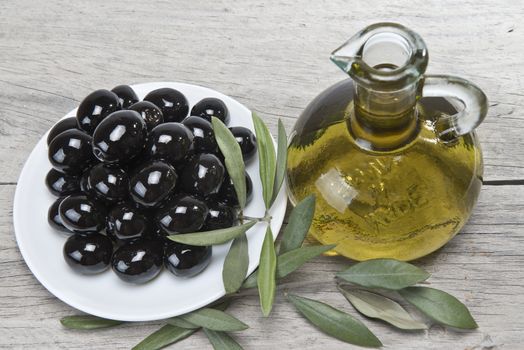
x=482 y=266
x=273 y=57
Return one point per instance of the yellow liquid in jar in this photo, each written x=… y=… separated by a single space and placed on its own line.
x=400 y=204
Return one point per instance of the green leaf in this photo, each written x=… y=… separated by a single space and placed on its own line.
x=298 y=225
x=281 y=160
x=212 y=237
x=88 y=322
x=266 y=273
x=233 y=158
x=179 y=322
x=236 y=265
x=163 y=337
x=266 y=159
x=335 y=323
x=440 y=306
x=291 y=261
x=384 y=273
x=213 y=319
x=378 y=306
x=221 y=341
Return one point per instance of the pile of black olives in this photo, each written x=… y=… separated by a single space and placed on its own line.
x=127 y=173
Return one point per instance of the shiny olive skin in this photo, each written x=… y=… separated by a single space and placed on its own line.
x=70 y=152
x=183 y=215
x=204 y=138
x=61 y=184
x=108 y=183
x=126 y=95
x=211 y=107
x=61 y=126
x=81 y=214
x=246 y=140
x=94 y=108
x=219 y=216
x=53 y=218
x=228 y=195
x=151 y=114
x=203 y=175
x=120 y=137
x=172 y=103
x=153 y=182
x=125 y=222
x=139 y=261
x=186 y=261
x=88 y=254
x=172 y=142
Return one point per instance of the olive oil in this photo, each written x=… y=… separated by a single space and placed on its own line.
x=400 y=202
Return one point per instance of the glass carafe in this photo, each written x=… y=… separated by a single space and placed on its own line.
x=390 y=153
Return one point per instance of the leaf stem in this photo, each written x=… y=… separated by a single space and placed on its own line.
x=250 y=218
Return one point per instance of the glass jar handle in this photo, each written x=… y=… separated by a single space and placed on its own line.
x=472 y=98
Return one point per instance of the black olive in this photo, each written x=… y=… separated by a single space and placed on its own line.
x=81 y=214
x=88 y=254
x=170 y=141
x=108 y=183
x=172 y=103
x=204 y=138
x=125 y=222
x=70 y=152
x=53 y=218
x=153 y=182
x=183 y=215
x=94 y=108
x=185 y=260
x=139 y=261
x=247 y=141
x=61 y=126
x=211 y=107
x=151 y=114
x=120 y=137
x=203 y=175
x=126 y=95
x=228 y=195
x=219 y=216
x=61 y=184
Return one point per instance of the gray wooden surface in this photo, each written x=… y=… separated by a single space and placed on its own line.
x=273 y=57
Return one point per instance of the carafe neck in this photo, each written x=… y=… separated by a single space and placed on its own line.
x=386 y=62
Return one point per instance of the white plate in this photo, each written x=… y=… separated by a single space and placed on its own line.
x=105 y=295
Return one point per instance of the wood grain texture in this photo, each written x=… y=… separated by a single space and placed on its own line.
x=273 y=57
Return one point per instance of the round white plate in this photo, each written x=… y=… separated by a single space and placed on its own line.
x=105 y=295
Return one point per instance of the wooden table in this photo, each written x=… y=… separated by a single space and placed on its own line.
x=273 y=57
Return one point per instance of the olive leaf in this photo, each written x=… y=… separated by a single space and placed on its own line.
x=378 y=306
x=291 y=261
x=163 y=337
x=213 y=319
x=232 y=158
x=180 y=322
x=236 y=264
x=221 y=341
x=88 y=322
x=281 y=160
x=335 y=323
x=266 y=159
x=440 y=306
x=384 y=273
x=298 y=225
x=266 y=273
x=212 y=237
